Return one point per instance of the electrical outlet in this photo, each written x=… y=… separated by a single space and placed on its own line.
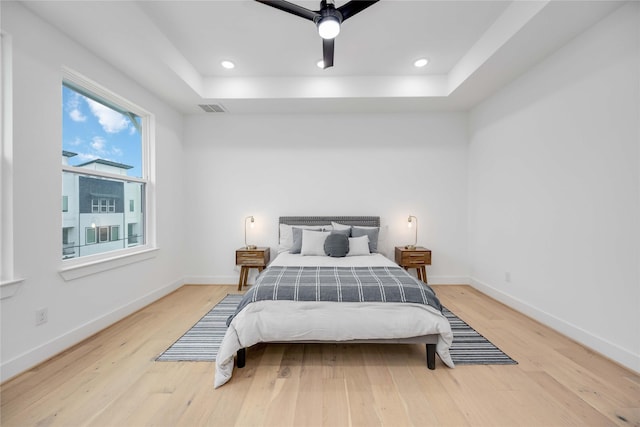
x=42 y=316
x=507 y=277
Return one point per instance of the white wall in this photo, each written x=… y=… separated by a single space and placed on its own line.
x=76 y=308
x=275 y=165
x=554 y=190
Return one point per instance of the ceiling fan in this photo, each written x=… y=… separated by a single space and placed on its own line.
x=327 y=19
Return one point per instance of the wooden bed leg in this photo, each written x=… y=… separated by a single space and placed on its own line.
x=431 y=356
x=241 y=357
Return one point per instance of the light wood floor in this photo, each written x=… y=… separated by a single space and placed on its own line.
x=112 y=379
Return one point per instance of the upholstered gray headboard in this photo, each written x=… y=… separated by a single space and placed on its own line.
x=362 y=221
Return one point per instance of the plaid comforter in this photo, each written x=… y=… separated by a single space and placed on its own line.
x=339 y=284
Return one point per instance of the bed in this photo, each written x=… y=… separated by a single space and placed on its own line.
x=317 y=293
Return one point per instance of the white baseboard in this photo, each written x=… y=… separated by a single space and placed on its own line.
x=608 y=349
x=448 y=280
x=39 y=354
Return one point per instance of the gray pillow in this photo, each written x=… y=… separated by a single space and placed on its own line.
x=346 y=232
x=336 y=245
x=372 y=232
x=296 y=247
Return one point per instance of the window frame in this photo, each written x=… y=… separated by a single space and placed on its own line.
x=89 y=264
x=113 y=228
x=9 y=282
x=90 y=231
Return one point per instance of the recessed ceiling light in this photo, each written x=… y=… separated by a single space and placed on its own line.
x=228 y=64
x=421 y=62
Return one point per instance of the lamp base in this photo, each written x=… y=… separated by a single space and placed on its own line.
x=410 y=247
x=250 y=247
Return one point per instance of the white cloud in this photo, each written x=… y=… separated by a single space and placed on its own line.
x=76 y=142
x=86 y=157
x=116 y=151
x=98 y=143
x=110 y=120
x=77 y=116
x=73 y=107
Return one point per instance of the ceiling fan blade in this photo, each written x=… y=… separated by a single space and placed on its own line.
x=354 y=6
x=327 y=53
x=292 y=8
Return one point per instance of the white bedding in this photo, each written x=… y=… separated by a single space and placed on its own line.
x=271 y=321
x=373 y=260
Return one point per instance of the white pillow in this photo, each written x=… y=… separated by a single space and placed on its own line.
x=286 y=238
x=358 y=246
x=313 y=242
x=338 y=226
x=286 y=235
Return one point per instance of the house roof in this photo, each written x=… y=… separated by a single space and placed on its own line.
x=106 y=162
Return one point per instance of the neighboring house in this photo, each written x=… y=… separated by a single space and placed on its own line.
x=98 y=214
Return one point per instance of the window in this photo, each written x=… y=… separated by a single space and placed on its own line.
x=114 y=233
x=68 y=246
x=90 y=234
x=9 y=283
x=132 y=234
x=103 y=234
x=105 y=147
x=103 y=205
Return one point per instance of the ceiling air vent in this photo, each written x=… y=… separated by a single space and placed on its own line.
x=212 y=108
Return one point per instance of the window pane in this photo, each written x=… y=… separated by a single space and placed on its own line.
x=90 y=235
x=101 y=228
x=115 y=233
x=103 y=234
x=98 y=135
x=65 y=203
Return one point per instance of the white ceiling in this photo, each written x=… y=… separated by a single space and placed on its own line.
x=174 y=49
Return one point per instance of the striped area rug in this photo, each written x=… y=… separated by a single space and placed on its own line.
x=202 y=341
x=471 y=348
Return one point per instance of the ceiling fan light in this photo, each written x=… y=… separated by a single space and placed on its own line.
x=329 y=27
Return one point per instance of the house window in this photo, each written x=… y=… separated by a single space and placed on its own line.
x=90 y=235
x=105 y=146
x=103 y=205
x=68 y=246
x=132 y=236
x=103 y=234
x=114 y=233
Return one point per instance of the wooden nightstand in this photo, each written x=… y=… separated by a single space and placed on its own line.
x=251 y=258
x=416 y=258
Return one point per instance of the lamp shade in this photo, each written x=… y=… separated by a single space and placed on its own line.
x=412 y=222
x=251 y=221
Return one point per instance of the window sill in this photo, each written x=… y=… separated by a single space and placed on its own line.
x=81 y=270
x=10 y=288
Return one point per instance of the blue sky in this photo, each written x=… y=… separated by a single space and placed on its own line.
x=95 y=131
